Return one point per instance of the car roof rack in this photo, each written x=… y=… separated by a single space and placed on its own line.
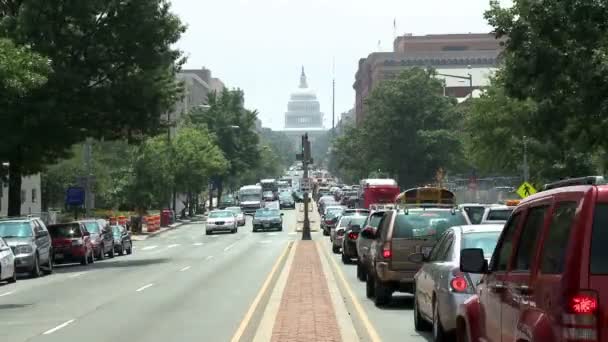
x=589 y=180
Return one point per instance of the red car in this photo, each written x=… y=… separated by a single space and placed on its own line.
x=548 y=276
x=71 y=243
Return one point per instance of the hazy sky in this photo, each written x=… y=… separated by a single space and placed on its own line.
x=260 y=45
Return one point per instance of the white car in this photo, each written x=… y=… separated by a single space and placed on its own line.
x=8 y=271
x=221 y=220
x=497 y=214
x=240 y=216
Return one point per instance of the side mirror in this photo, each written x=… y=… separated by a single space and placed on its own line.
x=472 y=260
x=417 y=258
x=86 y=234
x=369 y=233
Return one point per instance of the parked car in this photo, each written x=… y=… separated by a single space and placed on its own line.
x=337 y=233
x=330 y=218
x=440 y=286
x=8 y=269
x=122 y=240
x=364 y=244
x=547 y=277
x=71 y=243
x=221 y=220
x=101 y=237
x=286 y=201
x=240 y=215
x=267 y=218
x=31 y=244
x=351 y=234
x=399 y=234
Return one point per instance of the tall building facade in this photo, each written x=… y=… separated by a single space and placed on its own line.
x=303 y=113
x=474 y=54
x=30 y=196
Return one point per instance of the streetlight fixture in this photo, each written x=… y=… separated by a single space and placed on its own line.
x=469 y=77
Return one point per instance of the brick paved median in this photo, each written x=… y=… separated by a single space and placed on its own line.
x=306 y=312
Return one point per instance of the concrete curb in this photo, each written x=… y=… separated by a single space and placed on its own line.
x=143 y=237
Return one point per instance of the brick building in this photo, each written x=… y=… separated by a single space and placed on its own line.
x=474 y=54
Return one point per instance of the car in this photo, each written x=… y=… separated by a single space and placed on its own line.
x=298 y=196
x=330 y=218
x=440 y=286
x=122 y=240
x=321 y=203
x=547 y=277
x=286 y=201
x=364 y=244
x=268 y=196
x=355 y=211
x=351 y=234
x=336 y=234
x=424 y=214
x=496 y=214
x=240 y=216
x=267 y=218
x=473 y=211
x=101 y=237
x=71 y=243
x=228 y=200
x=8 y=269
x=221 y=220
x=31 y=244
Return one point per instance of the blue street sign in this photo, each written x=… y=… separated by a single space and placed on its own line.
x=74 y=195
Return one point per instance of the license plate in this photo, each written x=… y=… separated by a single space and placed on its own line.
x=266 y=225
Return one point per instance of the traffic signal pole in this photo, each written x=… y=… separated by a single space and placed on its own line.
x=306 y=159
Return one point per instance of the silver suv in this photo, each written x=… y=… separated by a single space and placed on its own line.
x=31 y=243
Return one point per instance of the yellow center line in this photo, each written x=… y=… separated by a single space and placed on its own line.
x=245 y=322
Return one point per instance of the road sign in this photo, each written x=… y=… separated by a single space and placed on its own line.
x=75 y=195
x=526 y=189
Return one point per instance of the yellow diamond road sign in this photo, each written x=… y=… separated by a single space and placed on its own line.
x=526 y=189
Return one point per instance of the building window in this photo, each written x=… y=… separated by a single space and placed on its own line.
x=34 y=195
x=23 y=196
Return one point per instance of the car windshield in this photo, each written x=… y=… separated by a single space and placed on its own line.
x=235 y=210
x=222 y=214
x=116 y=230
x=352 y=220
x=425 y=223
x=499 y=214
x=15 y=229
x=475 y=214
x=250 y=197
x=65 y=230
x=267 y=213
x=92 y=227
x=484 y=240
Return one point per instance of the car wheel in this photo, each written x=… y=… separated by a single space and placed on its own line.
x=369 y=287
x=111 y=253
x=439 y=334
x=420 y=324
x=461 y=333
x=35 y=273
x=325 y=232
x=382 y=293
x=91 y=257
x=208 y=232
x=130 y=250
x=122 y=249
x=335 y=249
x=281 y=228
x=13 y=279
x=345 y=259
x=255 y=230
x=49 y=264
x=85 y=260
x=361 y=272
x=102 y=252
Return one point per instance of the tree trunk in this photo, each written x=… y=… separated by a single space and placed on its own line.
x=14 y=188
x=220 y=189
x=190 y=204
x=210 y=198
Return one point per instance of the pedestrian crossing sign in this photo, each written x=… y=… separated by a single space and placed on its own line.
x=526 y=189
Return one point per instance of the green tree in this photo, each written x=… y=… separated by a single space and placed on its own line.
x=280 y=144
x=113 y=66
x=556 y=55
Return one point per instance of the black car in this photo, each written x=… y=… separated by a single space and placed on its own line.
x=101 y=237
x=267 y=218
x=351 y=234
x=122 y=240
x=286 y=201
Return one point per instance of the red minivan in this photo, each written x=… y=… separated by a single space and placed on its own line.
x=71 y=243
x=548 y=277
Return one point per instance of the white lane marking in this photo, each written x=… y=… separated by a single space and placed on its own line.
x=144 y=287
x=60 y=326
x=185 y=268
x=229 y=247
x=173 y=245
x=209 y=257
x=292 y=233
x=266 y=241
x=7 y=293
x=76 y=275
x=148 y=247
x=272 y=234
x=214 y=236
x=197 y=244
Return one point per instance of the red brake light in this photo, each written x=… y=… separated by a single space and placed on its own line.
x=387 y=252
x=353 y=235
x=583 y=304
x=459 y=284
x=329 y=222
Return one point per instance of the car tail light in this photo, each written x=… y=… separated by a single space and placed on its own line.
x=387 y=251
x=579 y=323
x=459 y=284
x=353 y=235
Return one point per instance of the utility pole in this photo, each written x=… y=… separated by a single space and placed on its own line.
x=306 y=159
x=525 y=167
x=88 y=197
x=333 y=99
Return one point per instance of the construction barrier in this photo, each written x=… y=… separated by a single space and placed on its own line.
x=112 y=220
x=122 y=220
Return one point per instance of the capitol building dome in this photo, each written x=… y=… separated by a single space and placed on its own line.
x=303 y=109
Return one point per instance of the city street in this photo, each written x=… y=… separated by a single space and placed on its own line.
x=179 y=286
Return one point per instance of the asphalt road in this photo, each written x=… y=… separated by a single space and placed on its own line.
x=179 y=286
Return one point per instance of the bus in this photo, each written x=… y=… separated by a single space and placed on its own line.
x=250 y=198
x=377 y=192
x=426 y=196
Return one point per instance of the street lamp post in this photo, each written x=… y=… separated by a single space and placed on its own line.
x=469 y=77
